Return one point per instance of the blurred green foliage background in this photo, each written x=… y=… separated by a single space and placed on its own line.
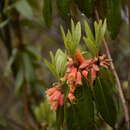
x=29 y=29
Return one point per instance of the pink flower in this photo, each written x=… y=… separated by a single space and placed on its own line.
x=89 y=66
x=85 y=64
x=71 y=96
x=78 y=78
x=72 y=74
x=52 y=90
x=55 y=97
x=85 y=74
x=94 y=70
x=74 y=77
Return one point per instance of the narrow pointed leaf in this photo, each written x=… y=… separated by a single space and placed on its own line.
x=114 y=16
x=24 y=8
x=85 y=107
x=105 y=99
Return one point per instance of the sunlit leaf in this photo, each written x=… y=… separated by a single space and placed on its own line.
x=88 y=31
x=91 y=46
x=72 y=38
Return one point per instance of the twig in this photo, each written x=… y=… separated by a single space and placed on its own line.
x=25 y=107
x=117 y=80
x=128 y=89
x=118 y=86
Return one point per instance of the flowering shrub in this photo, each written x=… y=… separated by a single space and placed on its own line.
x=82 y=81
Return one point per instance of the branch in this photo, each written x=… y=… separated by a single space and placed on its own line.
x=119 y=88
x=128 y=90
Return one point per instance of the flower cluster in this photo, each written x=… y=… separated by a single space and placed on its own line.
x=77 y=68
x=55 y=96
x=80 y=67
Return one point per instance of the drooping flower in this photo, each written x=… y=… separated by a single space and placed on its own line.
x=85 y=74
x=94 y=70
x=86 y=63
x=73 y=77
x=56 y=97
x=71 y=96
x=78 y=78
x=89 y=66
x=104 y=62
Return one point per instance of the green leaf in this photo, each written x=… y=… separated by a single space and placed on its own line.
x=113 y=16
x=100 y=29
x=19 y=80
x=4 y=23
x=24 y=8
x=94 y=43
x=106 y=102
x=59 y=117
x=64 y=7
x=33 y=53
x=28 y=67
x=85 y=107
x=11 y=61
x=76 y=34
x=58 y=63
x=71 y=118
x=91 y=46
x=63 y=33
x=72 y=38
x=44 y=114
x=47 y=12
x=88 y=31
x=52 y=68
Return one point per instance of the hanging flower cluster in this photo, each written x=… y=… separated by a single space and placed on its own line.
x=77 y=68
x=55 y=97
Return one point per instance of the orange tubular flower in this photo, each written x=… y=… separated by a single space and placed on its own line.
x=85 y=74
x=89 y=66
x=79 y=56
x=78 y=78
x=85 y=64
x=55 y=97
x=94 y=70
x=71 y=96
